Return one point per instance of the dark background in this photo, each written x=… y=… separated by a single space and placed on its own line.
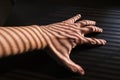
x=99 y=62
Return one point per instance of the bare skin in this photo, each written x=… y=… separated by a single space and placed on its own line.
x=59 y=37
x=73 y=35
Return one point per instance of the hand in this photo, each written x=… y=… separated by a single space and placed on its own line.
x=61 y=37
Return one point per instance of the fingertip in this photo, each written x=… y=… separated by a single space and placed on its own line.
x=94 y=22
x=101 y=30
x=73 y=19
x=104 y=42
x=82 y=72
x=78 y=15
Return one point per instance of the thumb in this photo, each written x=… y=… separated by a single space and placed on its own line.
x=75 y=67
x=66 y=62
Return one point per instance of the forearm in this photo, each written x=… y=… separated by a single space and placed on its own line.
x=16 y=40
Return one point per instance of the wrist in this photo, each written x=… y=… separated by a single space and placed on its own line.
x=42 y=36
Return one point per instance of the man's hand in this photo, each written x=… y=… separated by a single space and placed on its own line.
x=63 y=36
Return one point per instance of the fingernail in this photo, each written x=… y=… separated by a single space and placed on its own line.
x=78 y=15
x=104 y=42
x=82 y=72
x=101 y=30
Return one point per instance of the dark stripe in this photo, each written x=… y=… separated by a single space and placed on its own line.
x=3 y=50
x=86 y=41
